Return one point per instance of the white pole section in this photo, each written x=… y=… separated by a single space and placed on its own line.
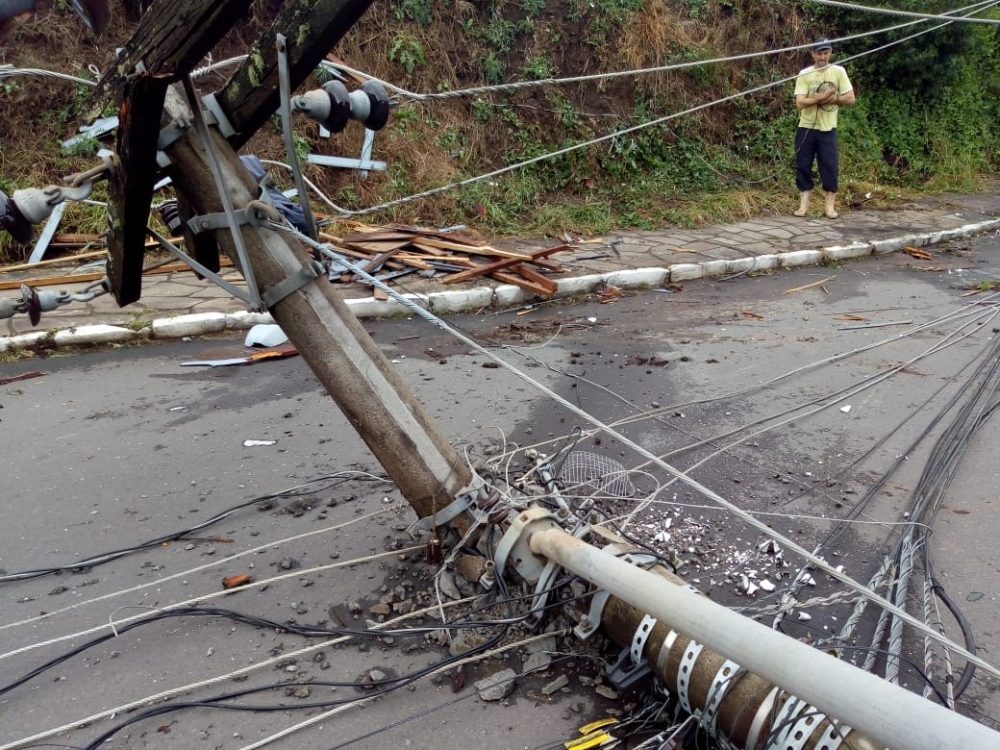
x=887 y=713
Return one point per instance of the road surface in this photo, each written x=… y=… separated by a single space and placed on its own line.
x=729 y=380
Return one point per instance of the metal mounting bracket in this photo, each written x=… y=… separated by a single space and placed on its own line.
x=217 y=116
x=623 y=672
x=309 y=271
x=450 y=512
x=514 y=544
x=257 y=213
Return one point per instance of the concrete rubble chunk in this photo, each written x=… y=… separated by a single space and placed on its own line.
x=556 y=685
x=497 y=686
x=537 y=662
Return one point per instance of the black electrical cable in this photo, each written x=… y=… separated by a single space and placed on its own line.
x=914 y=668
x=308 y=631
x=388 y=685
x=438 y=707
x=970 y=639
x=105 y=557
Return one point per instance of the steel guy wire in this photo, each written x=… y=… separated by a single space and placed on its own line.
x=635 y=128
x=215 y=595
x=928 y=646
x=905 y=13
x=834 y=533
x=691 y=482
x=966 y=312
x=190 y=571
x=362 y=701
x=794 y=414
x=173 y=692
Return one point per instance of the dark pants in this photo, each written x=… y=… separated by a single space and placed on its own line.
x=819 y=146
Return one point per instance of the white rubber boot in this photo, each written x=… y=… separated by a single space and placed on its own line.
x=803 y=202
x=828 y=209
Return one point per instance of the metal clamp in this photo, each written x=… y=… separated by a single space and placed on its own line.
x=668 y=643
x=451 y=511
x=834 y=735
x=763 y=712
x=514 y=544
x=309 y=272
x=684 y=671
x=798 y=733
x=214 y=114
x=716 y=693
x=640 y=637
x=791 y=708
x=589 y=622
x=173 y=132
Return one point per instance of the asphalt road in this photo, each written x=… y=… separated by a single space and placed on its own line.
x=730 y=381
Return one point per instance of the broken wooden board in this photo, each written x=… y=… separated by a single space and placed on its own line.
x=130 y=184
x=499 y=265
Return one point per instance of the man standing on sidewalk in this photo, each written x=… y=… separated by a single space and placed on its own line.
x=820 y=91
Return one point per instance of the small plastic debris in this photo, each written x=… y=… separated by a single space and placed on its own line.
x=766 y=585
x=254 y=443
x=846 y=409
x=265 y=335
x=804 y=617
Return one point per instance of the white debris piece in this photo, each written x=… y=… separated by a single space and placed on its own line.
x=252 y=443
x=804 y=617
x=766 y=585
x=770 y=547
x=846 y=409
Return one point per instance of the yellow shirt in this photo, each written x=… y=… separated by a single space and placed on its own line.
x=820 y=117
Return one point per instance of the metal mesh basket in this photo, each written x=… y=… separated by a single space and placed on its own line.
x=605 y=475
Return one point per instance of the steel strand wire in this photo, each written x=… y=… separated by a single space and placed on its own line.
x=936 y=477
x=695 y=485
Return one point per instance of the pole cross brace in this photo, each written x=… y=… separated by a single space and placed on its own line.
x=257 y=213
x=309 y=271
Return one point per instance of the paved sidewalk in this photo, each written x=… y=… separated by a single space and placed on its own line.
x=178 y=304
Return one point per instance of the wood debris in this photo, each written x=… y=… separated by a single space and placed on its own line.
x=916 y=252
x=849 y=316
x=821 y=282
x=394 y=250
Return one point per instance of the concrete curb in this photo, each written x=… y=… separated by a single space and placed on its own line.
x=492 y=298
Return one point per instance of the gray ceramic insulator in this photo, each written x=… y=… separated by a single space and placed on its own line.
x=315 y=104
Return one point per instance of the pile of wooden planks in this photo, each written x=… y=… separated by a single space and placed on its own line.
x=390 y=251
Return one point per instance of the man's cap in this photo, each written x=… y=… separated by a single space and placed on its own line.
x=821 y=44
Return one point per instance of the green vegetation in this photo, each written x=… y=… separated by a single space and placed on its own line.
x=677 y=147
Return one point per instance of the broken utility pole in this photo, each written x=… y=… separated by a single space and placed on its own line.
x=725 y=669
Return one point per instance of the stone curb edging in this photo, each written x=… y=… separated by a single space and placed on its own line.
x=491 y=298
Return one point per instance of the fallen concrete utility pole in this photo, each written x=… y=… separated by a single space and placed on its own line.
x=722 y=677
x=660 y=612
x=341 y=353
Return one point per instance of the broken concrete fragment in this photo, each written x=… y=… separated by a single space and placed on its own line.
x=606 y=692
x=557 y=684
x=537 y=662
x=497 y=686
